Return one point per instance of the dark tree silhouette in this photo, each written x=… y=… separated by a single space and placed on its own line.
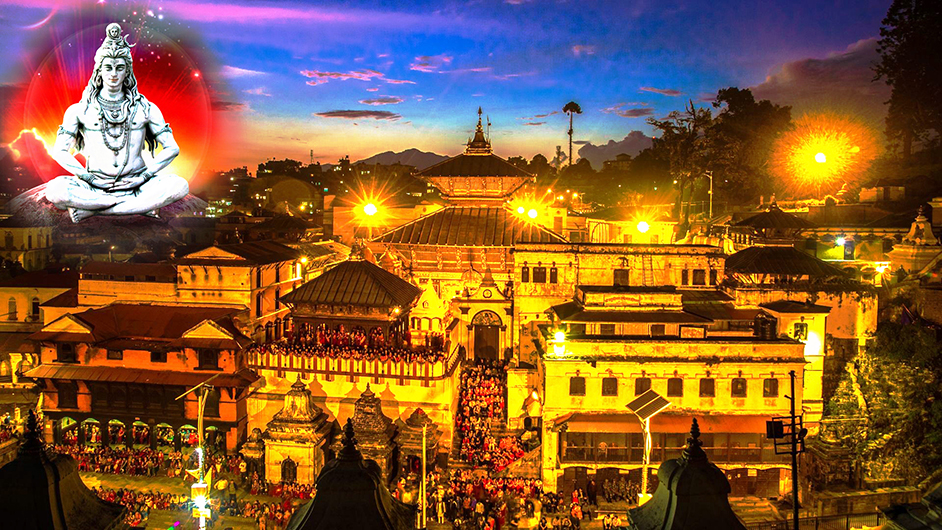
x=571 y=108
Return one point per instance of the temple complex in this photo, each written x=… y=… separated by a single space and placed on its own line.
x=297 y=438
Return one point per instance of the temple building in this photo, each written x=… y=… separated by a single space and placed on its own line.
x=297 y=438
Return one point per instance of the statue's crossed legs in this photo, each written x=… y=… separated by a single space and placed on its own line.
x=83 y=200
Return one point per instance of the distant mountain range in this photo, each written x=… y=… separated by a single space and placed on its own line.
x=409 y=157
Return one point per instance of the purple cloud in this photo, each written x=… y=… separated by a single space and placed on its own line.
x=234 y=72
x=430 y=63
x=260 y=91
x=372 y=89
x=635 y=112
x=662 y=91
x=583 y=49
x=535 y=123
x=319 y=77
x=360 y=114
x=539 y=116
x=384 y=100
x=841 y=80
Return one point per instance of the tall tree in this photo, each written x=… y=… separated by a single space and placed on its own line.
x=910 y=63
x=571 y=108
x=740 y=142
x=682 y=143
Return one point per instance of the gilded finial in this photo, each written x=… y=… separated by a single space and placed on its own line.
x=694 y=444
x=349 y=442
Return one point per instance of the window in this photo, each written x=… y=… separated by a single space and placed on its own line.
x=707 y=387
x=208 y=359
x=158 y=356
x=258 y=305
x=609 y=386
x=212 y=404
x=657 y=330
x=684 y=277
x=607 y=330
x=675 y=387
x=525 y=274
x=655 y=239
x=577 y=386
x=539 y=274
x=699 y=277
x=258 y=277
x=34 y=307
x=65 y=352
x=29 y=242
x=626 y=239
x=800 y=331
x=770 y=388
x=277 y=301
x=712 y=276
x=11 y=309
x=68 y=394
x=738 y=387
x=554 y=275
x=116 y=355
x=642 y=385
x=277 y=273
x=621 y=277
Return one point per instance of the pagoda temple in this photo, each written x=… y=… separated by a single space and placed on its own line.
x=410 y=441
x=450 y=249
x=296 y=438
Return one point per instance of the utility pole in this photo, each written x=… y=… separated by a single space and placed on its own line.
x=424 y=474
x=200 y=490
x=709 y=175
x=788 y=435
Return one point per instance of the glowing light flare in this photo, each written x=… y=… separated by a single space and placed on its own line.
x=559 y=336
x=822 y=151
x=643 y=227
x=840 y=241
x=521 y=210
x=370 y=209
x=532 y=213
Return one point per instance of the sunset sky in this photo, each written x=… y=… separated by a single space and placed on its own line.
x=286 y=78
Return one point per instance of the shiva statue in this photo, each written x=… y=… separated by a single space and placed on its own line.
x=110 y=126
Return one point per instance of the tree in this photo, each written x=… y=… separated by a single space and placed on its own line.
x=887 y=408
x=571 y=108
x=540 y=167
x=740 y=142
x=682 y=143
x=910 y=63
x=518 y=161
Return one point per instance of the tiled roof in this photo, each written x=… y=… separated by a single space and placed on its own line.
x=254 y=252
x=479 y=226
x=120 y=374
x=43 y=279
x=142 y=322
x=474 y=166
x=779 y=260
x=775 y=218
x=160 y=270
x=66 y=299
x=356 y=282
x=572 y=312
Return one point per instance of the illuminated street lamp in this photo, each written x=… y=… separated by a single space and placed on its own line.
x=559 y=343
x=643 y=227
x=532 y=213
x=820 y=158
x=370 y=209
x=521 y=210
x=645 y=407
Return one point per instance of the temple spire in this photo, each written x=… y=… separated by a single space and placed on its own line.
x=479 y=144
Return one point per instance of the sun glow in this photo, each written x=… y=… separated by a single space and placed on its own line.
x=823 y=151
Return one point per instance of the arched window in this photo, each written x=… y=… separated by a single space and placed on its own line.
x=11 y=309
x=8 y=240
x=34 y=307
x=289 y=471
x=258 y=305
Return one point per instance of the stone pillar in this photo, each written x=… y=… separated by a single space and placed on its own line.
x=152 y=429
x=81 y=433
x=177 y=442
x=106 y=437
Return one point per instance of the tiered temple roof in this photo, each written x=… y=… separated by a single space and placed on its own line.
x=351 y=494
x=470 y=226
x=43 y=491
x=355 y=282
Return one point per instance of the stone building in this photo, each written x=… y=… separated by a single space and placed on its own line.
x=297 y=438
x=27 y=242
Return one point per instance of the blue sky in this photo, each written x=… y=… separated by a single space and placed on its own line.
x=414 y=73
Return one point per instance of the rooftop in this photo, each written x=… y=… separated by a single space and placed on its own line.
x=779 y=260
x=470 y=226
x=44 y=279
x=249 y=253
x=356 y=282
x=790 y=306
x=120 y=374
x=774 y=217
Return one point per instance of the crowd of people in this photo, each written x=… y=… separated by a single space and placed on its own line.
x=356 y=345
x=481 y=403
x=471 y=501
x=124 y=461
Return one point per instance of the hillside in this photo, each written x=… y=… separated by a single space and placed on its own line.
x=409 y=157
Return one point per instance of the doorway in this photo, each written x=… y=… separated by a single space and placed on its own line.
x=486 y=342
x=289 y=471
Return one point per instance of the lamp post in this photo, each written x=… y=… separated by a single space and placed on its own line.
x=424 y=474
x=709 y=175
x=199 y=492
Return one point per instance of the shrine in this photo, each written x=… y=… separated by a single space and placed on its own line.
x=297 y=438
x=377 y=433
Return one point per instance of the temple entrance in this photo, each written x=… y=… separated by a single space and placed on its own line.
x=487 y=327
x=289 y=471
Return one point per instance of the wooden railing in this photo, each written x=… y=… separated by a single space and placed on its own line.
x=416 y=370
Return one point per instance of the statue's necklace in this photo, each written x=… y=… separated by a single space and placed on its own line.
x=116 y=123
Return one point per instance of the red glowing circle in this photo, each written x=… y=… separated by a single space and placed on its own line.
x=164 y=78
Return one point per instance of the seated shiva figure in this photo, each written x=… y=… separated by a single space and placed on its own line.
x=110 y=127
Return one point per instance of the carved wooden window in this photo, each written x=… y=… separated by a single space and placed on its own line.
x=554 y=275
x=609 y=386
x=65 y=352
x=68 y=394
x=699 y=277
x=525 y=274
x=738 y=388
x=770 y=388
x=539 y=274
x=707 y=387
x=675 y=387
x=642 y=385
x=621 y=277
